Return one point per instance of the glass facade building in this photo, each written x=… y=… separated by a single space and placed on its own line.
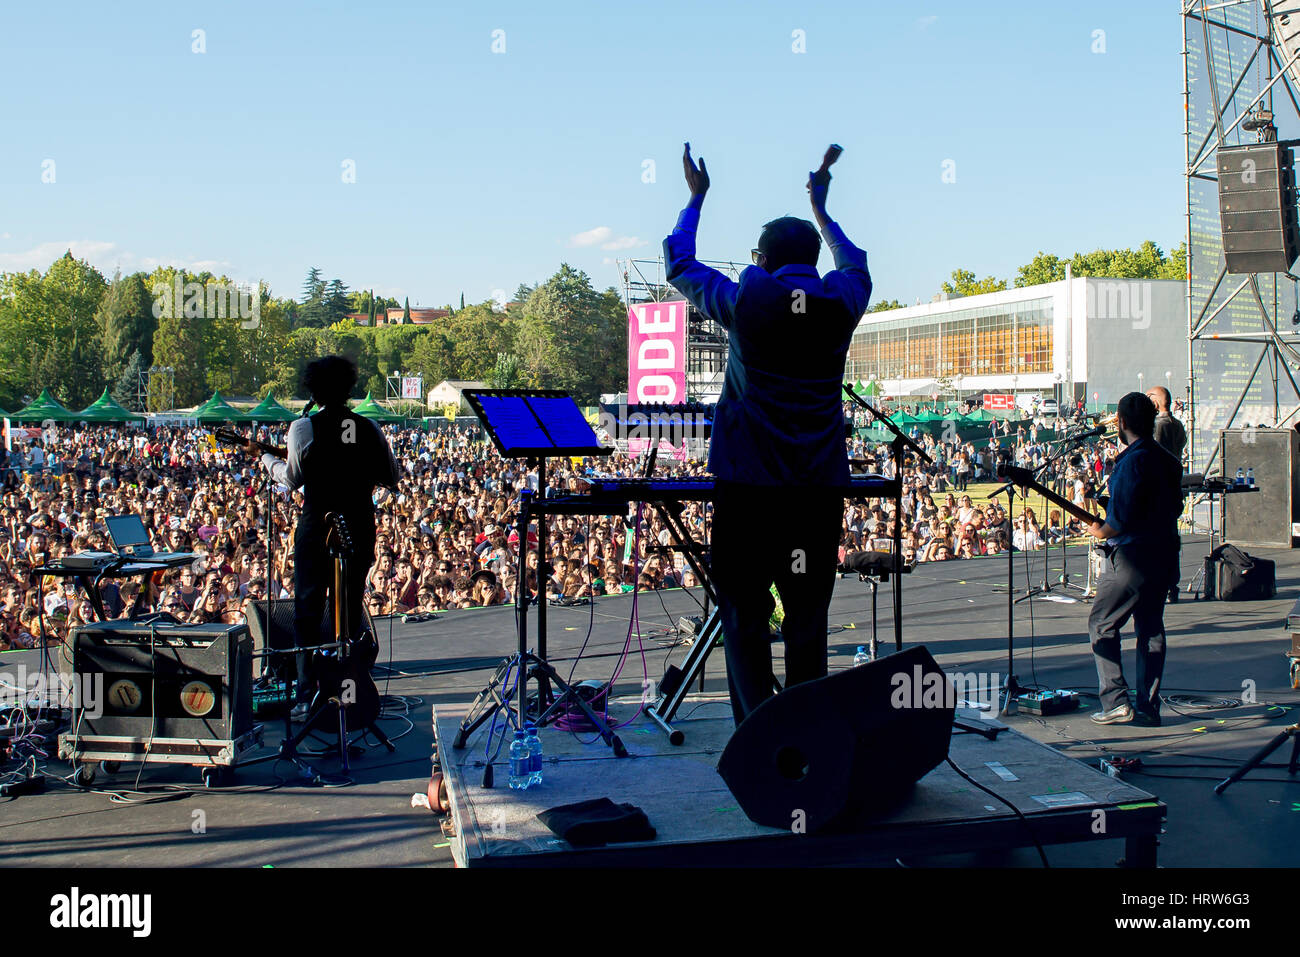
x=1007 y=339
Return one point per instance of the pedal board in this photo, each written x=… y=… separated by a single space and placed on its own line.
x=1047 y=703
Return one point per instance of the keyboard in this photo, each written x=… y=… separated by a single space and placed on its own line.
x=615 y=494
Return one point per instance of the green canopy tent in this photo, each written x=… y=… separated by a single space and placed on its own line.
x=373 y=410
x=107 y=409
x=268 y=410
x=979 y=415
x=44 y=407
x=217 y=409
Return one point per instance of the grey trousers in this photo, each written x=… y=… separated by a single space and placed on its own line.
x=1133 y=585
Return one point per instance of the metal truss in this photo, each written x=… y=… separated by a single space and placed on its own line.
x=1240 y=54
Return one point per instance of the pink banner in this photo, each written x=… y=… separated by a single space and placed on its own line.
x=639 y=447
x=656 y=352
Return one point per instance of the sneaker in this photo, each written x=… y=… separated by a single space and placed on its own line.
x=300 y=710
x=1121 y=714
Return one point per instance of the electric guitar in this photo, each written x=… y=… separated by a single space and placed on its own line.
x=1025 y=479
x=231 y=437
x=343 y=676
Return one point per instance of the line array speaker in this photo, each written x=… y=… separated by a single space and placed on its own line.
x=1257 y=207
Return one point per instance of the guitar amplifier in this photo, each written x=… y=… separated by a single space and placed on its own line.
x=162 y=680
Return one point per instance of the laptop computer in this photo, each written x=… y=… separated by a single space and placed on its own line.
x=128 y=535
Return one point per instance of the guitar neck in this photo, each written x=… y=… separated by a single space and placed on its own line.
x=228 y=437
x=1025 y=479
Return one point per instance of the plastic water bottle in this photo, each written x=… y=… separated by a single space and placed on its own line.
x=1241 y=477
x=520 y=763
x=1250 y=477
x=862 y=657
x=534 y=743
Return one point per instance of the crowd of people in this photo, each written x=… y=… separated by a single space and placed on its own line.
x=448 y=537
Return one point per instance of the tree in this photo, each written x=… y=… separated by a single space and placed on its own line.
x=572 y=337
x=336 y=303
x=522 y=292
x=48 y=334
x=312 y=312
x=126 y=324
x=406 y=311
x=505 y=374
x=128 y=383
x=885 y=305
x=1148 y=261
x=964 y=283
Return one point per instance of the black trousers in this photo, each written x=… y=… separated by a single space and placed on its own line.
x=1133 y=585
x=764 y=536
x=313 y=577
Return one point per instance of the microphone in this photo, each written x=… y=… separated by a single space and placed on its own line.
x=306 y=409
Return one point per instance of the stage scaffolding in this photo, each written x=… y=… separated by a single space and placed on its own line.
x=706 y=341
x=1239 y=57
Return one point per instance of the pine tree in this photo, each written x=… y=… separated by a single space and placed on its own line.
x=336 y=302
x=124 y=392
x=406 y=312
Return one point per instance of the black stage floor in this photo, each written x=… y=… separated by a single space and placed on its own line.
x=1216 y=651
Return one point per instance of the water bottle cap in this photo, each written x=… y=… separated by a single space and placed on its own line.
x=862 y=648
x=519 y=734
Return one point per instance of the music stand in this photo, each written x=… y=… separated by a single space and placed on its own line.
x=533 y=425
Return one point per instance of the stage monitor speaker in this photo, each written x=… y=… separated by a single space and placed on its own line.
x=270 y=622
x=1257 y=207
x=163 y=680
x=1262 y=518
x=271 y=625
x=842 y=749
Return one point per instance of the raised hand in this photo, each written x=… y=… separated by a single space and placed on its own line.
x=697 y=177
x=819 y=182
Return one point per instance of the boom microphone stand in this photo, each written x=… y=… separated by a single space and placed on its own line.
x=899 y=443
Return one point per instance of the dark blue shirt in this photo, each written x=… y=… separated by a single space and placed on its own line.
x=778 y=420
x=1145 y=496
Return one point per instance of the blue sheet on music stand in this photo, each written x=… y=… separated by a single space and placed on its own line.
x=535 y=423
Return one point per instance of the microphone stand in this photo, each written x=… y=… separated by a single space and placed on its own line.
x=1011 y=687
x=1066 y=444
x=899 y=443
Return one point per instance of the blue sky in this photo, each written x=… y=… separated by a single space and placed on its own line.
x=476 y=170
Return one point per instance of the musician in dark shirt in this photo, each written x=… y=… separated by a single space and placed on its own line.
x=1141 y=528
x=337 y=458
x=777 y=452
x=1169 y=432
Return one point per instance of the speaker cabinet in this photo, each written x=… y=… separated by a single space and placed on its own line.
x=163 y=680
x=1257 y=207
x=1262 y=518
x=842 y=749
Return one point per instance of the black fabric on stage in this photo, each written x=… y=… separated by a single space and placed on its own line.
x=598 y=822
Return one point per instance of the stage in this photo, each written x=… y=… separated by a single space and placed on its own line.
x=1217 y=652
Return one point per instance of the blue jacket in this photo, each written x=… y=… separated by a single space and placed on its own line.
x=779 y=420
